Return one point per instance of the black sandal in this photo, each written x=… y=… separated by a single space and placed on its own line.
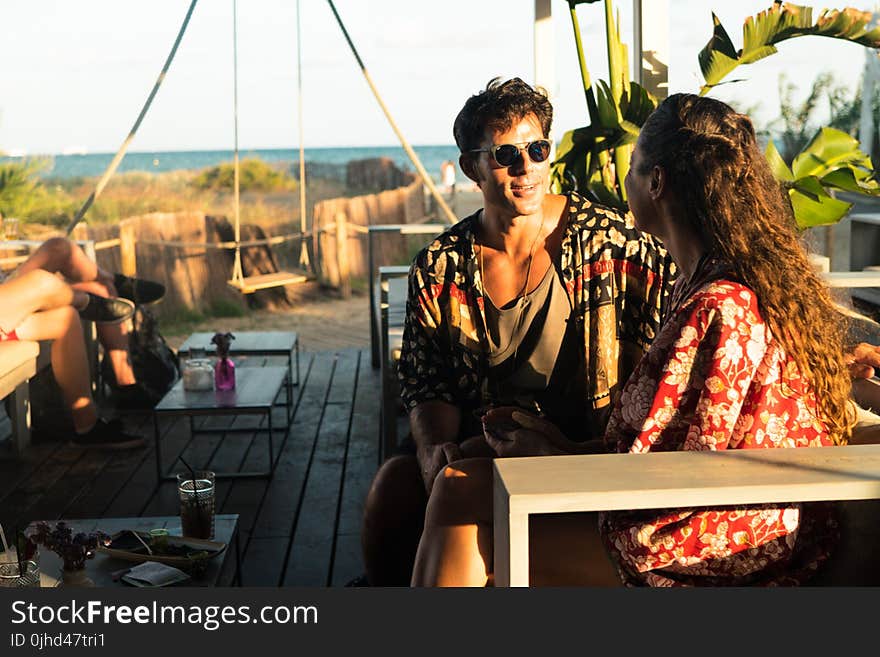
x=107 y=310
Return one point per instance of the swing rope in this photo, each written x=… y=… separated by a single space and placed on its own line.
x=237 y=275
x=111 y=168
x=303 y=251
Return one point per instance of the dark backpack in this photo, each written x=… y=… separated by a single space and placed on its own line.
x=156 y=366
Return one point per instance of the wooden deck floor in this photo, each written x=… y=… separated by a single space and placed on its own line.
x=301 y=528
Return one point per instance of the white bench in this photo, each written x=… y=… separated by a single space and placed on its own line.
x=372 y=267
x=18 y=363
x=392 y=285
x=605 y=482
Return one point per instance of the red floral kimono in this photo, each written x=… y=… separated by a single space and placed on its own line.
x=715 y=378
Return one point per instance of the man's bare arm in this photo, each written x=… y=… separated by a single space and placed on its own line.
x=435 y=426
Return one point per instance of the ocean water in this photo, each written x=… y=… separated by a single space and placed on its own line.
x=325 y=162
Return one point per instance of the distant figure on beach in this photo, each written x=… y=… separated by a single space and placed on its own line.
x=447 y=175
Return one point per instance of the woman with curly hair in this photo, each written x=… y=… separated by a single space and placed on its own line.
x=750 y=355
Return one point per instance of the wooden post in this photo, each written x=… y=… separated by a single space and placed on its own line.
x=127 y=253
x=545 y=63
x=651 y=46
x=342 y=255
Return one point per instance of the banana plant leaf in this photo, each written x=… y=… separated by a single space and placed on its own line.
x=780 y=22
x=831 y=161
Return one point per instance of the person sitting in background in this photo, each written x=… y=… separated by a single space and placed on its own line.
x=35 y=304
x=58 y=255
x=750 y=355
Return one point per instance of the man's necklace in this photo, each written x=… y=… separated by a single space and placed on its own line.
x=523 y=291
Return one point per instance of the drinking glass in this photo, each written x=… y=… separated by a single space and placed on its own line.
x=12 y=578
x=197 y=504
x=10 y=228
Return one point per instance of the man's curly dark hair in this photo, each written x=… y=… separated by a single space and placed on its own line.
x=497 y=108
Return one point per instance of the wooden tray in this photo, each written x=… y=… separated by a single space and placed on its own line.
x=139 y=553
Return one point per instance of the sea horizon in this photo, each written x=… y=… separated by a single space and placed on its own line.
x=327 y=161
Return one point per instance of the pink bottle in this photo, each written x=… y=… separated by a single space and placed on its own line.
x=224 y=374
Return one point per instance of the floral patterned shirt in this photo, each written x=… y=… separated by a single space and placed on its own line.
x=715 y=378
x=617 y=282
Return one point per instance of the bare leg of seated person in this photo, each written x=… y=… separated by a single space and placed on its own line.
x=394 y=514
x=457 y=547
x=37 y=305
x=61 y=256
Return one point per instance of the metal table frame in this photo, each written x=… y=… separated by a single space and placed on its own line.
x=251 y=409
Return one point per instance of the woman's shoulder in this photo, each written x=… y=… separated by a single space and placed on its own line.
x=728 y=300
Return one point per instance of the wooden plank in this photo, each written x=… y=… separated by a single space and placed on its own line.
x=271 y=510
x=278 y=514
x=136 y=494
x=264 y=562
x=310 y=556
x=348 y=561
x=363 y=450
x=16 y=507
x=253 y=283
x=94 y=495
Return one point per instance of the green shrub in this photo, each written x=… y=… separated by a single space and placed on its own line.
x=254 y=175
x=23 y=194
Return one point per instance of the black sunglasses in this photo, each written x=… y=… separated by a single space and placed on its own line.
x=506 y=155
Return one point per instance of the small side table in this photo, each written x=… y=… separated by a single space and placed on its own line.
x=252 y=343
x=102 y=567
x=256 y=389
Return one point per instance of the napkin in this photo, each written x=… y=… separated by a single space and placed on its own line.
x=153 y=574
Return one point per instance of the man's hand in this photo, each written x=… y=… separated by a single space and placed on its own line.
x=512 y=432
x=863 y=361
x=433 y=458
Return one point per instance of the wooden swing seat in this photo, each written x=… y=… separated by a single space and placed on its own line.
x=251 y=284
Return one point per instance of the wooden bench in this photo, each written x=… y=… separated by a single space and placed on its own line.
x=392 y=288
x=372 y=267
x=605 y=482
x=18 y=363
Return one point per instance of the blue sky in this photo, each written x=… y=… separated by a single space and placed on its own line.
x=75 y=74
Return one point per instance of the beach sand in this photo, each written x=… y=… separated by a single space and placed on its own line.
x=323 y=321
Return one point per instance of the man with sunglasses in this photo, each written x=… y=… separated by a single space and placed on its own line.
x=540 y=301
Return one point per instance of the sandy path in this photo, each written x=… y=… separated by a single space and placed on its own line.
x=323 y=321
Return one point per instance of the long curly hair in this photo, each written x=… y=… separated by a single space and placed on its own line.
x=730 y=198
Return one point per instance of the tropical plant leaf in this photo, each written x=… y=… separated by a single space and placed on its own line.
x=813 y=206
x=637 y=105
x=830 y=149
x=780 y=22
x=848 y=181
x=777 y=164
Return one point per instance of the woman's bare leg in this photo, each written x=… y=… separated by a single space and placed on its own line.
x=457 y=543
x=69 y=362
x=61 y=256
x=113 y=337
x=35 y=291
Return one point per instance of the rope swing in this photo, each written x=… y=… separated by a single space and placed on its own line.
x=303 y=251
x=250 y=284
x=111 y=168
x=450 y=217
